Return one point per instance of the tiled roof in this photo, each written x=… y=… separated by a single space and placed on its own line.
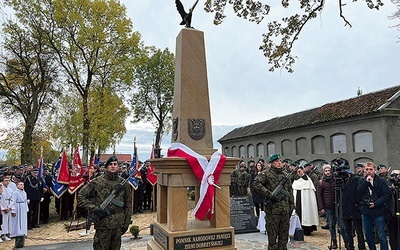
x=121 y=157
x=357 y=106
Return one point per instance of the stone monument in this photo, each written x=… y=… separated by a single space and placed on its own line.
x=191 y=127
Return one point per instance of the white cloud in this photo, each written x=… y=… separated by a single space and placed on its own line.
x=333 y=60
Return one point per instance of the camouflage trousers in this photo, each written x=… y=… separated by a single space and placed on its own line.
x=277 y=226
x=107 y=239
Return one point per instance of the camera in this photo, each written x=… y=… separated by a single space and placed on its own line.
x=340 y=167
x=394 y=179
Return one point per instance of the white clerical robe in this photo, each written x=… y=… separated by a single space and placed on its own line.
x=20 y=221
x=6 y=201
x=309 y=208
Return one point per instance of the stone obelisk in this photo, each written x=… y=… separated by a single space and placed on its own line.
x=192 y=127
x=191 y=111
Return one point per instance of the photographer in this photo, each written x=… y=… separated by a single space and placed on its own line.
x=372 y=194
x=393 y=209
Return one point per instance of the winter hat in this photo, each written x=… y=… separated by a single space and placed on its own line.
x=326 y=166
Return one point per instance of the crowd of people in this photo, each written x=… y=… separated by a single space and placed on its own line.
x=362 y=204
x=25 y=197
x=25 y=200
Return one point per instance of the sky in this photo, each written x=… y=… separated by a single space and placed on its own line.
x=333 y=61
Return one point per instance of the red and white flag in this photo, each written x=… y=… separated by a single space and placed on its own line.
x=76 y=179
x=207 y=172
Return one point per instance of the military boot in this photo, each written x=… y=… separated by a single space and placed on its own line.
x=334 y=244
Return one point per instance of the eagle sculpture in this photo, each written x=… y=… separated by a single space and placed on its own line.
x=186 y=17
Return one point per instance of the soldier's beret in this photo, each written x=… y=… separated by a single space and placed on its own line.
x=111 y=159
x=359 y=165
x=274 y=157
x=308 y=164
x=381 y=166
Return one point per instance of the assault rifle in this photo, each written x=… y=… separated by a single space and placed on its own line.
x=279 y=189
x=110 y=199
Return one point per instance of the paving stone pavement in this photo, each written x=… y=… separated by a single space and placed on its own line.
x=246 y=241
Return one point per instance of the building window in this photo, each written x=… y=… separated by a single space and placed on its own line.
x=260 y=150
x=242 y=152
x=287 y=147
x=338 y=144
x=226 y=151
x=250 y=151
x=235 y=152
x=301 y=146
x=363 y=141
x=318 y=145
x=271 y=149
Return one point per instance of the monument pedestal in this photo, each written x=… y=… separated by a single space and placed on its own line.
x=173 y=229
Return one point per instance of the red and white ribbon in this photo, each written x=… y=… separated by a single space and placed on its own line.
x=207 y=172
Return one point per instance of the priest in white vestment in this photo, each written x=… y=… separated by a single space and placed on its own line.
x=305 y=201
x=19 y=219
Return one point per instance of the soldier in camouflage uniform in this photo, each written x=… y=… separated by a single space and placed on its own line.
x=278 y=209
x=242 y=180
x=110 y=226
x=233 y=188
x=308 y=169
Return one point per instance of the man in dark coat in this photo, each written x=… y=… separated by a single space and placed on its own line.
x=47 y=196
x=392 y=208
x=350 y=214
x=34 y=191
x=114 y=220
x=372 y=194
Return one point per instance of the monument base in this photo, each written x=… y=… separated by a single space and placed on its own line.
x=199 y=235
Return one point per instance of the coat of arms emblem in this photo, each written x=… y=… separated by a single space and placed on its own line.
x=196 y=128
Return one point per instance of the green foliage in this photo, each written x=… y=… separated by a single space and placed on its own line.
x=281 y=36
x=154 y=90
x=96 y=48
x=107 y=114
x=134 y=230
x=28 y=77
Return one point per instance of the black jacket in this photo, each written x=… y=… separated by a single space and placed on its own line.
x=380 y=195
x=349 y=193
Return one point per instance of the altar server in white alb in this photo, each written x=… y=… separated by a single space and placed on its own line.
x=7 y=205
x=19 y=220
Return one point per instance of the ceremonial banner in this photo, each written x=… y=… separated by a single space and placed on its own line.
x=57 y=188
x=76 y=179
x=134 y=180
x=207 y=172
x=151 y=175
x=41 y=171
x=63 y=173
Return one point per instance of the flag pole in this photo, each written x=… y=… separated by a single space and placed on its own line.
x=41 y=173
x=133 y=190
